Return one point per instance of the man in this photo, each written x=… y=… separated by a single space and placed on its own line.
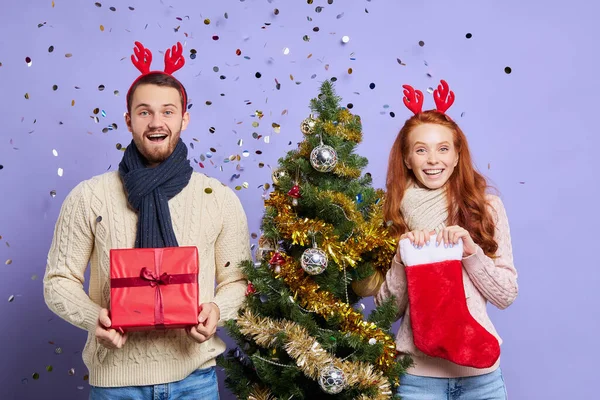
x=154 y=200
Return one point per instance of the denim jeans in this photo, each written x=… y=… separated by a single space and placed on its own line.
x=199 y=385
x=483 y=387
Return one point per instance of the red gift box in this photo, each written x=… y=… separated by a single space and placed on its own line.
x=153 y=288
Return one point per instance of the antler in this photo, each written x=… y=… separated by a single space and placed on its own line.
x=443 y=97
x=413 y=99
x=144 y=58
x=174 y=59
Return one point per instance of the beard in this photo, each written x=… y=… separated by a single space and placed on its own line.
x=157 y=153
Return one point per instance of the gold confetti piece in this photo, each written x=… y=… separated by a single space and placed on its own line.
x=49 y=368
x=72 y=103
x=255 y=124
x=8 y=262
x=238 y=188
x=68 y=55
x=52 y=4
x=27 y=96
x=350 y=71
x=208 y=190
x=101 y=28
x=291 y=77
x=309 y=56
x=276 y=127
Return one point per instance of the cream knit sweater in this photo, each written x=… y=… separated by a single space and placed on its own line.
x=94 y=218
x=484 y=279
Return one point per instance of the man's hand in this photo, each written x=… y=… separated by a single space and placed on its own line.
x=109 y=338
x=207 y=323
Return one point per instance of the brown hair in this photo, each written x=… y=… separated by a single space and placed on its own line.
x=466 y=187
x=158 y=79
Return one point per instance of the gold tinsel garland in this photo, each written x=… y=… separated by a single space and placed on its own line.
x=310 y=356
x=341 y=131
x=307 y=292
x=369 y=236
x=260 y=393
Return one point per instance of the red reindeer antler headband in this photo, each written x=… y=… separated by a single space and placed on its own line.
x=174 y=60
x=443 y=96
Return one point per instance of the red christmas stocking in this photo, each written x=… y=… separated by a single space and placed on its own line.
x=441 y=322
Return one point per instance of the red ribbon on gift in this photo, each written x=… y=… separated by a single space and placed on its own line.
x=149 y=278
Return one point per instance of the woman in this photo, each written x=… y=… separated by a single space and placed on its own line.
x=433 y=189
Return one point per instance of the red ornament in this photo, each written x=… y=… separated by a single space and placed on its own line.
x=294 y=192
x=250 y=289
x=277 y=259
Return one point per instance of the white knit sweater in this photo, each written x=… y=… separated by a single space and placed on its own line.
x=94 y=218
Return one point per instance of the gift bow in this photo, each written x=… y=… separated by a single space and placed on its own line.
x=163 y=279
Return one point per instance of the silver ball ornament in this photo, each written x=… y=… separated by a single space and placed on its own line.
x=314 y=261
x=332 y=380
x=323 y=158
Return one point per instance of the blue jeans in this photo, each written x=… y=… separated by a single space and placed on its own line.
x=483 y=387
x=199 y=385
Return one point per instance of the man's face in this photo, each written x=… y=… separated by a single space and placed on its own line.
x=156 y=121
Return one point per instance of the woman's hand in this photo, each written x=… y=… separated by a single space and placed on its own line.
x=418 y=238
x=450 y=236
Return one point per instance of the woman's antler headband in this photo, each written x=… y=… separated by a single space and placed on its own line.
x=443 y=96
x=174 y=60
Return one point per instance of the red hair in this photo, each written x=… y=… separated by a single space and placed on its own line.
x=466 y=187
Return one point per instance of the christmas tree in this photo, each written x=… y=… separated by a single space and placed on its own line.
x=301 y=333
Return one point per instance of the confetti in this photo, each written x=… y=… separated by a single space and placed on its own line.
x=286 y=51
x=206 y=21
x=11 y=298
x=101 y=28
x=372 y=85
x=8 y=262
x=35 y=376
x=421 y=43
x=99 y=219
x=101 y=87
x=112 y=9
x=49 y=368
x=208 y=190
x=508 y=70
x=60 y=172
x=68 y=55
x=469 y=36
x=98 y=4
x=53 y=193
x=345 y=39
x=72 y=371
x=27 y=96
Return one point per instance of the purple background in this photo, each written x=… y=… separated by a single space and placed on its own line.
x=531 y=131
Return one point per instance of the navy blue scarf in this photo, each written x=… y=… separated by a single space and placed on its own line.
x=149 y=190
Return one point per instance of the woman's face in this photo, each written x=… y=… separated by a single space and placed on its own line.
x=431 y=155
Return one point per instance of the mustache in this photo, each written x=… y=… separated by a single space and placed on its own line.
x=157 y=130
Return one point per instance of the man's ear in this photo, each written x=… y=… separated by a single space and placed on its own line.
x=128 y=122
x=185 y=121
